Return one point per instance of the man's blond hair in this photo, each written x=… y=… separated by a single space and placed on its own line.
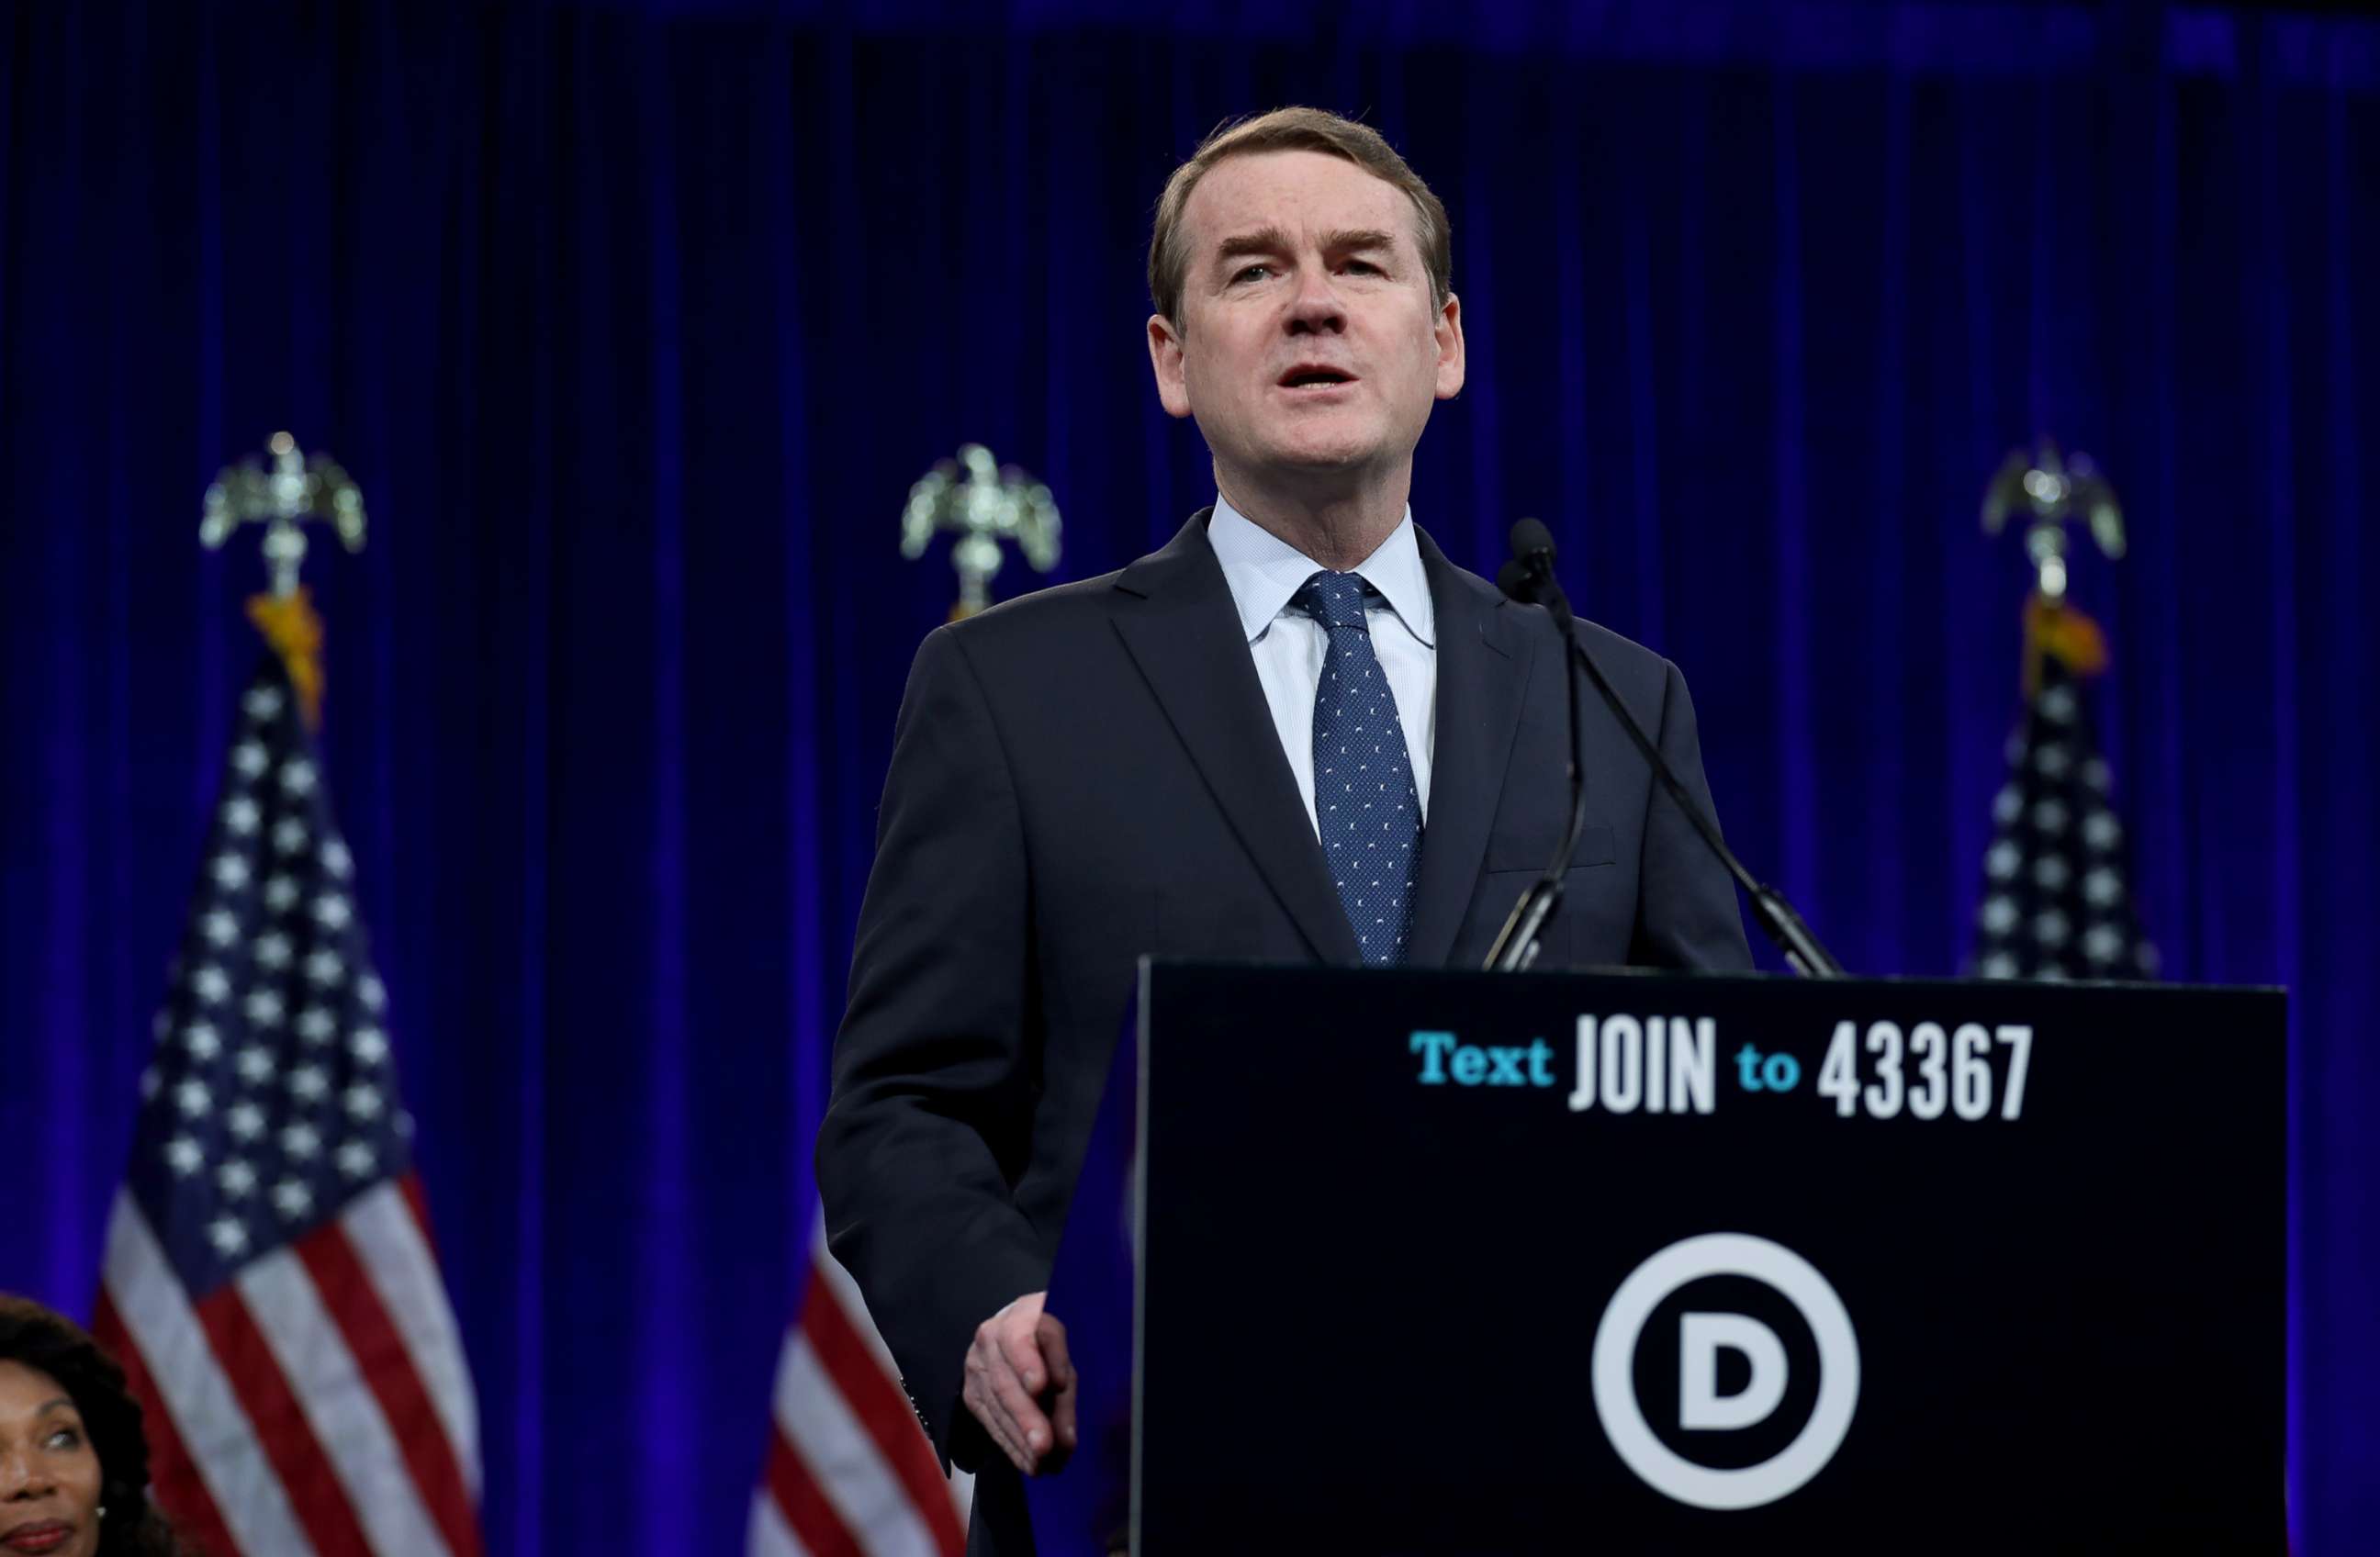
x=1293 y=129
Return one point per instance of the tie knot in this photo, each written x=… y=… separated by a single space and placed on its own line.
x=1334 y=599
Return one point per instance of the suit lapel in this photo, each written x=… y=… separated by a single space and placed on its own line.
x=1184 y=635
x=1482 y=671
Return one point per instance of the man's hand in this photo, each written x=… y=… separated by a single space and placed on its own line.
x=1020 y=1385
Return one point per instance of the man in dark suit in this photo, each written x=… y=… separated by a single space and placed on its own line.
x=1296 y=733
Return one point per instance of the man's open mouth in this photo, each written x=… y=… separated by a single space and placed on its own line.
x=1309 y=377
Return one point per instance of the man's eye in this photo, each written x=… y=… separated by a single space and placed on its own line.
x=1249 y=272
x=1365 y=266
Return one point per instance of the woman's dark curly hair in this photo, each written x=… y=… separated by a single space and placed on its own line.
x=38 y=1338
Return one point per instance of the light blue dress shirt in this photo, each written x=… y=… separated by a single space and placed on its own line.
x=1289 y=646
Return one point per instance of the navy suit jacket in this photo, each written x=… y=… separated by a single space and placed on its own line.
x=1090 y=773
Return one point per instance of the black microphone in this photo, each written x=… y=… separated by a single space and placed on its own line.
x=1532 y=570
x=1533 y=547
x=1529 y=577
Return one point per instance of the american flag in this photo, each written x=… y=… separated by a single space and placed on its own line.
x=2057 y=902
x=848 y=1470
x=269 y=1283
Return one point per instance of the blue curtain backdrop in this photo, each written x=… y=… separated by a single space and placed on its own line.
x=635 y=323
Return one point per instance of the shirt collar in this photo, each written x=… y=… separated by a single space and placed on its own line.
x=1264 y=572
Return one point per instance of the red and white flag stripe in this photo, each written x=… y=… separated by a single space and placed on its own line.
x=849 y=1471
x=317 y=1404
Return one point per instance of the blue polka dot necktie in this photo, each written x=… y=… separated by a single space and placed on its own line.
x=1365 y=801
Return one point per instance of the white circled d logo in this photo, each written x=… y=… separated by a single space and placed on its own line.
x=1701 y=1337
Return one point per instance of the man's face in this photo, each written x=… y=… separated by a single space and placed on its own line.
x=1309 y=348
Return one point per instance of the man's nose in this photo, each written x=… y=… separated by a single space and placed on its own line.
x=1316 y=309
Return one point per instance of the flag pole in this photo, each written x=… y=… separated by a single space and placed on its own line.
x=982 y=503
x=283 y=500
x=2058 y=899
x=2057 y=491
x=269 y=1283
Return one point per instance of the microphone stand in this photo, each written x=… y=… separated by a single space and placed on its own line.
x=1515 y=947
x=1530 y=579
x=1784 y=928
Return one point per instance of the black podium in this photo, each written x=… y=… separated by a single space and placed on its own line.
x=1453 y=1262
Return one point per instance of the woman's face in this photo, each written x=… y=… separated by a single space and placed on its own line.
x=49 y=1472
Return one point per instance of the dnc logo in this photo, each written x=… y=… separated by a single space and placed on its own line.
x=1701 y=1409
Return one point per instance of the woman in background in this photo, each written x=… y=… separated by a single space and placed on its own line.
x=74 y=1465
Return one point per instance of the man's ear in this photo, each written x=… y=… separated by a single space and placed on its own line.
x=1165 y=361
x=1449 y=348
